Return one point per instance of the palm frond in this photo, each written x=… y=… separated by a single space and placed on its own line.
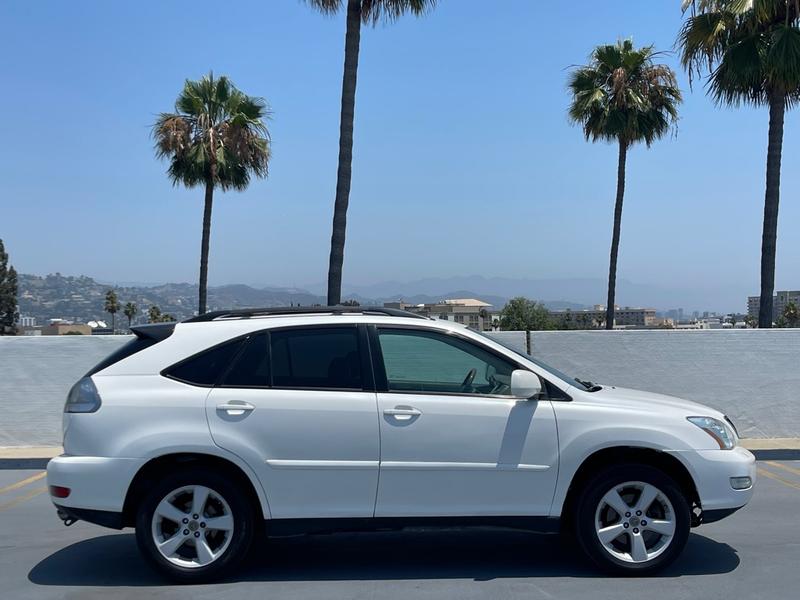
x=376 y=11
x=749 y=50
x=326 y=7
x=217 y=134
x=622 y=94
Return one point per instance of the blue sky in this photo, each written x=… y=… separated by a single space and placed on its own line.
x=464 y=160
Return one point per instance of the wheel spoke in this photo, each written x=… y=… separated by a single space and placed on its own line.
x=223 y=523
x=615 y=501
x=638 y=549
x=170 y=546
x=610 y=533
x=661 y=526
x=199 y=497
x=646 y=498
x=170 y=511
x=204 y=552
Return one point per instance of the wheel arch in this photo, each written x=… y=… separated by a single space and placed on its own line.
x=152 y=469
x=615 y=455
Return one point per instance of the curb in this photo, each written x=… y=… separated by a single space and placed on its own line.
x=27 y=457
x=37 y=457
x=33 y=464
x=777 y=454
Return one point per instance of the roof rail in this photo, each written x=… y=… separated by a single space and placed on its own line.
x=246 y=313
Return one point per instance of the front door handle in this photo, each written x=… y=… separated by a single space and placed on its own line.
x=402 y=413
x=236 y=408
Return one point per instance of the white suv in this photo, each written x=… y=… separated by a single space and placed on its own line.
x=310 y=420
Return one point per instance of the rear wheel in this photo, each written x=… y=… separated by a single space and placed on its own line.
x=632 y=519
x=195 y=526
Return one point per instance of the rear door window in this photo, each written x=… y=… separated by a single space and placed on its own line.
x=320 y=357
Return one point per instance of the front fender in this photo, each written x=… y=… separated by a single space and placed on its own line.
x=578 y=446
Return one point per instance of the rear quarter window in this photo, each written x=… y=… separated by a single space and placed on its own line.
x=207 y=367
x=129 y=349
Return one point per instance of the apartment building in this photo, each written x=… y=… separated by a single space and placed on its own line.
x=471 y=312
x=779 y=302
x=626 y=316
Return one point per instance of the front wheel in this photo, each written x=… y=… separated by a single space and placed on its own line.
x=195 y=526
x=632 y=520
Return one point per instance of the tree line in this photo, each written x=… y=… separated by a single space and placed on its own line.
x=9 y=291
x=112 y=306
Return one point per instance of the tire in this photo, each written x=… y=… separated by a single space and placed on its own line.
x=224 y=542
x=632 y=544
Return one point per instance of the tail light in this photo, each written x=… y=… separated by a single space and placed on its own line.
x=83 y=397
x=58 y=491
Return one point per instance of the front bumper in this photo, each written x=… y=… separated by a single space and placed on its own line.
x=712 y=471
x=96 y=483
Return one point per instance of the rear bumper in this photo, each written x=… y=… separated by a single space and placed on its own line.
x=97 y=484
x=104 y=518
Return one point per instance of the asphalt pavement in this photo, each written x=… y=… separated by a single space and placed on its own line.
x=753 y=554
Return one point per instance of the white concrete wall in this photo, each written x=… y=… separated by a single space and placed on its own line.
x=35 y=375
x=752 y=375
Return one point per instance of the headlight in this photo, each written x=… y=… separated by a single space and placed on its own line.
x=718 y=430
x=83 y=397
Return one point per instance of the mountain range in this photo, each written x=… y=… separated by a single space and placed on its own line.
x=81 y=298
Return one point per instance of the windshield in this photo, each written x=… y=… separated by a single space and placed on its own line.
x=552 y=371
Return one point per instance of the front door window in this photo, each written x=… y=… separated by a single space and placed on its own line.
x=426 y=361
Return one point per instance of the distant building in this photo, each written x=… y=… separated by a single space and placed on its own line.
x=623 y=317
x=471 y=312
x=779 y=302
x=62 y=328
x=26 y=321
x=29 y=331
x=676 y=314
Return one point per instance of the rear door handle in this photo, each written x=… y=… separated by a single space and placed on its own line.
x=236 y=407
x=402 y=413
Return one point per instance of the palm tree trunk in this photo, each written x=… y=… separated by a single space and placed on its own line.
x=612 y=266
x=351 y=45
x=204 y=246
x=769 y=236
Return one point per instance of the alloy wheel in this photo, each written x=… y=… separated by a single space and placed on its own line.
x=192 y=526
x=635 y=522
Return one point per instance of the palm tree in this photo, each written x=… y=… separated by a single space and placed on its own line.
x=750 y=49
x=154 y=314
x=623 y=96
x=129 y=310
x=368 y=12
x=112 y=307
x=215 y=138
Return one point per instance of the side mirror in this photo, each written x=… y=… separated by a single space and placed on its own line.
x=524 y=384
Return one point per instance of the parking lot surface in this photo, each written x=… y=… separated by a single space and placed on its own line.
x=753 y=554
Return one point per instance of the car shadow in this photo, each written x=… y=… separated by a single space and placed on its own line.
x=478 y=554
